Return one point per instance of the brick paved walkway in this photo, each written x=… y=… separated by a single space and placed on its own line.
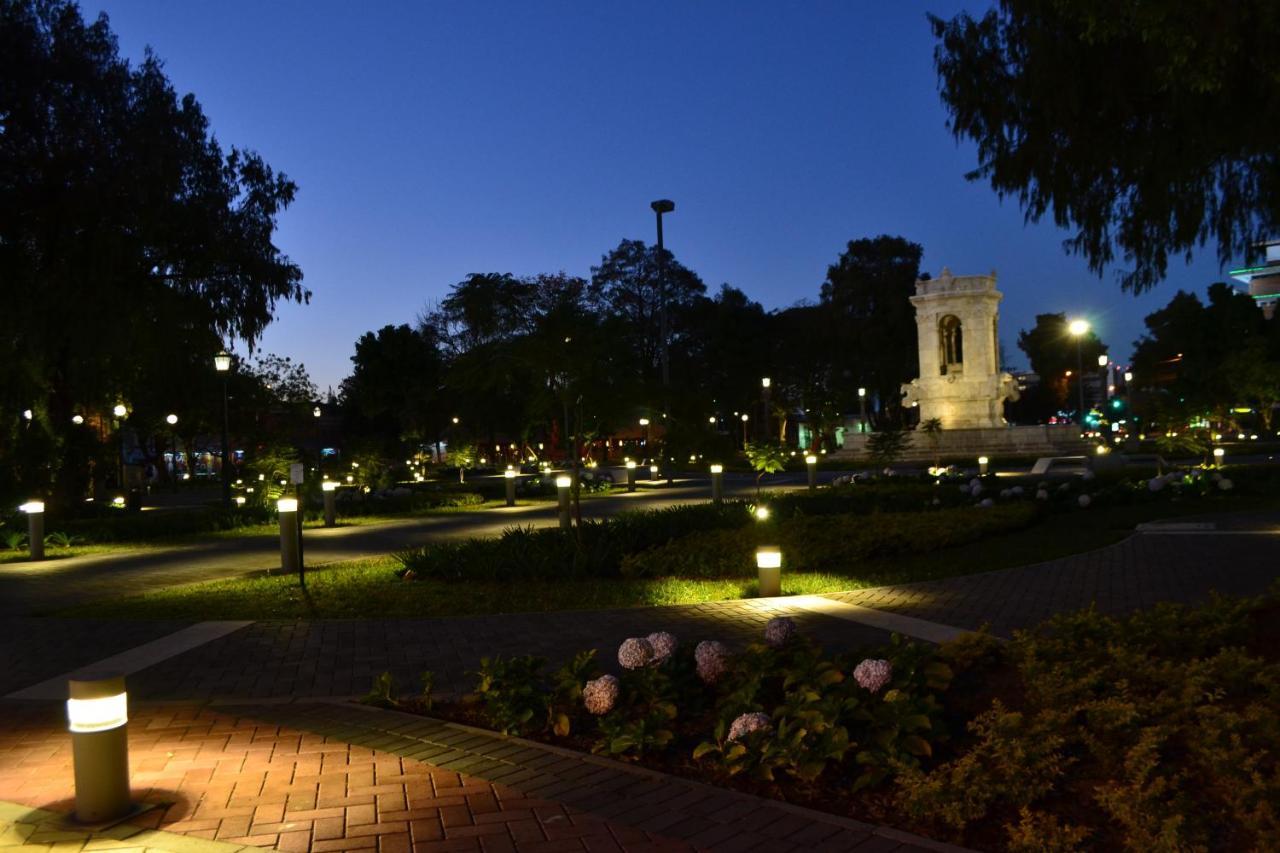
x=235 y=779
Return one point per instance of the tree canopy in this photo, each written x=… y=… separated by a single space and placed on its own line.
x=1148 y=129
x=130 y=240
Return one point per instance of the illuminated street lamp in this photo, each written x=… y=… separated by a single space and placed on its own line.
x=119 y=410
x=745 y=418
x=811 y=462
x=769 y=567
x=97 y=717
x=222 y=363
x=631 y=475
x=172 y=421
x=717 y=483
x=35 y=528
x=510 y=476
x=562 y=491
x=329 y=488
x=983 y=463
x=1078 y=329
x=287 y=510
x=862 y=406
x=77 y=419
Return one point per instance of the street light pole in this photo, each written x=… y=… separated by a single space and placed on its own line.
x=660 y=207
x=1078 y=329
x=222 y=362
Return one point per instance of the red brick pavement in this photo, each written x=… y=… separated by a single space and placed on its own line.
x=245 y=782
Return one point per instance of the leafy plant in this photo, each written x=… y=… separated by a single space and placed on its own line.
x=59 y=539
x=765 y=458
x=512 y=694
x=383 y=692
x=886 y=446
x=932 y=428
x=428 y=682
x=15 y=541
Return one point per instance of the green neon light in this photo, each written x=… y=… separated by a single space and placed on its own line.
x=1246 y=270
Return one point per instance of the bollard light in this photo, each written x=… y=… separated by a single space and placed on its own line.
x=653 y=472
x=1218 y=453
x=717 y=469
x=119 y=410
x=510 y=476
x=982 y=465
x=717 y=483
x=562 y=487
x=631 y=475
x=811 y=463
x=35 y=528
x=239 y=500
x=762 y=513
x=769 y=567
x=328 y=489
x=97 y=714
x=287 y=509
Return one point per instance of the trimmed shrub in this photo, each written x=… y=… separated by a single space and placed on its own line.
x=829 y=543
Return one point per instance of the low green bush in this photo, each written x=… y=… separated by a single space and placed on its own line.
x=1156 y=732
x=595 y=549
x=120 y=526
x=824 y=543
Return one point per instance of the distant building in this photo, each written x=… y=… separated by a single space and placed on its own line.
x=1263 y=281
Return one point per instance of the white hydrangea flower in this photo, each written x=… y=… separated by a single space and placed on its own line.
x=779 y=630
x=664 y=646
x=986 y=503
x=1084 y=501
x=634 y=653
x=748 y=723
x=712 y=658
x=601 y=694
x=873 y=674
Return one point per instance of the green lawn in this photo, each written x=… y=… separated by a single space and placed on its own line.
x=370 y=588
x=54 y=553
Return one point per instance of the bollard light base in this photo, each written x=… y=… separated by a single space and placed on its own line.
x=770 y=582
x=69 y=822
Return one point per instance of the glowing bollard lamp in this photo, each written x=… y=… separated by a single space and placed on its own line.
x=287 y=508
x=631 y=476
x=811 y=463
x=1218 y=454
x=653 y=473
x=717 y=483
x=562 y=490
x=769 y=565
x=510 y=476
x=983 y=465
x=329 y=490
x=97 y=714
x=35 y=528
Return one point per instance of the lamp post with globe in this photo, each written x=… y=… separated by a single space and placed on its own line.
x=222 y=362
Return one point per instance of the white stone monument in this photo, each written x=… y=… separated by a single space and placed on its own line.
x=960 y=381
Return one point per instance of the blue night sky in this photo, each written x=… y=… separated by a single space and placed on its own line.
x=432 y=140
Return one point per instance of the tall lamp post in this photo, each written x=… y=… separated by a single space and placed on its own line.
x=766 y=387
x=1078 y=329
x=862 y=406
x=660 y=207
x=222 y=361
x=172 y=421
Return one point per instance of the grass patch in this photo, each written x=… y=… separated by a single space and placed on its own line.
x=370 y=589
x=54 y=553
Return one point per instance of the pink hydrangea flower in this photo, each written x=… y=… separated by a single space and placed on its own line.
x=873 y=674
x=600 y=695
x=712 y=658
x=779 y=631
x=664 y=646
x=634 y=653
x=748 y=723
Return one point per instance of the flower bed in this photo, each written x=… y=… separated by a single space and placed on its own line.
x=1154 y=732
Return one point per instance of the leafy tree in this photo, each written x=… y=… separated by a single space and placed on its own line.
x=932 y=429
x=868 y=292
x=765 y=458
x=629 y=286
x=393 y=391
x=129 y=231
x=1254 y=375
x=463 y=457
x=1200 y=360
x=1149 y=129
x=886 y=446
x=1051 y=350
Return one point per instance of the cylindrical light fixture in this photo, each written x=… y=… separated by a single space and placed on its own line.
x=563 y=483
x=769 y=566
x=983 y=463
x=510 y=476
x=287 y=508
x=1218 y=454
x=631 y=475
x=811 y=463
x=653 y=472
x=97 y=715
x=329 y=489
x=717 y=483
x=35 y=528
